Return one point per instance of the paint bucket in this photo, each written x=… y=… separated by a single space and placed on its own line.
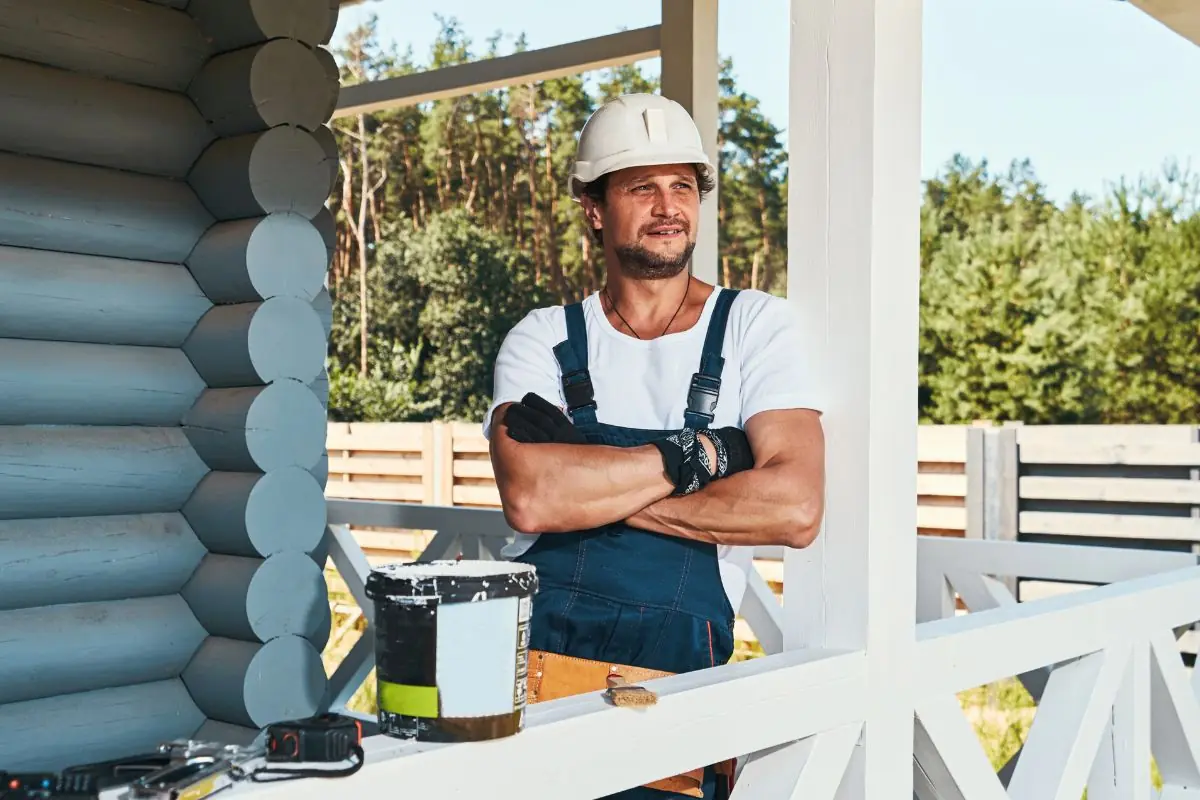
x=452 y=648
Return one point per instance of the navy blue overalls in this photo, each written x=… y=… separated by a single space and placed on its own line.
x=625 y=595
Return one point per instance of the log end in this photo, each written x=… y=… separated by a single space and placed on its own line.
x=258 y=429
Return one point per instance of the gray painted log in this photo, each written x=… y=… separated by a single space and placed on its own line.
x=127 y=40
x=335 y=6
x=62 y=296
x=320 y=553
x=257 y=514
x=80 y=647
x=124 y=127
x=324 y=136
x=90 y=559
x=67 y=383
x=279 y=255
x=334 y=74
x=75 y=471
x=324 y=307
x=53 y=205
x=252 y=684
x=257 y=428
x=321 y=471
x=70 y=729
x=282 y=169
x=326 y=225
x=319 y=635
x=320 y=387
x=230 y=24
x=281 y=82
x=223 y=733
x=250 y=344
x=256 y=599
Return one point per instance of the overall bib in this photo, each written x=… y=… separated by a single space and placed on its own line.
x=625 y=595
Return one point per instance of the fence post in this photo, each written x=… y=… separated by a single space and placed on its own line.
x=443 y=464
x=976 y=485
x=1000 y=490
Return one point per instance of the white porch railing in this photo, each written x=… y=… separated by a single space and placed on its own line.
x=1103 y=664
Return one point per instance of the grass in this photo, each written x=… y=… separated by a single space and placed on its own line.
x=1001 y=713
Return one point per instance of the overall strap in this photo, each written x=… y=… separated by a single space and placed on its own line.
x=572 y=355
x=705 y=388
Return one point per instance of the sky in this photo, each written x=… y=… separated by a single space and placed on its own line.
x=1089 y=90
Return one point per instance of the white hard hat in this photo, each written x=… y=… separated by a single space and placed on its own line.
x=636 y=130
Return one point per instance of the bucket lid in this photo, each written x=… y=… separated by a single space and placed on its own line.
x=451 y=581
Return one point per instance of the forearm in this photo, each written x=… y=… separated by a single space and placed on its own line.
x=765 y=506
x=549 y=488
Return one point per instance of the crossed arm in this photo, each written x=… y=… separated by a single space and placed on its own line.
x=549 y=488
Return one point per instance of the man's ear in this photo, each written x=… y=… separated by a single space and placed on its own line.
x=593 y=212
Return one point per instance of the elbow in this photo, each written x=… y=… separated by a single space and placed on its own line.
x=523 y=511
x=803 y=524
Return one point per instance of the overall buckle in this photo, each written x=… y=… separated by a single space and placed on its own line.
x=577 y=389
x=702 y=396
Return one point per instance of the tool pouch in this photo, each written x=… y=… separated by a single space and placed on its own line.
x=552 y=676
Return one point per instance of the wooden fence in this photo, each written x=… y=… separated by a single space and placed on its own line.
x=1132 y=484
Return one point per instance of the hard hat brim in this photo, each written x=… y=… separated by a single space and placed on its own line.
x=586 y=172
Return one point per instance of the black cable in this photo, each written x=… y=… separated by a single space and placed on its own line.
x=292 y=774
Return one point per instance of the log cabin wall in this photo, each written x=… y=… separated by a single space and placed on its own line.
x=163 y=323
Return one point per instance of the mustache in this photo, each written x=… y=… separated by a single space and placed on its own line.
x=680 y=223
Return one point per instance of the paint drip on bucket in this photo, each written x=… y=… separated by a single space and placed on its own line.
x=452 y=648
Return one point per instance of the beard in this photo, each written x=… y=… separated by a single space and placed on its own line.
x=644 y=264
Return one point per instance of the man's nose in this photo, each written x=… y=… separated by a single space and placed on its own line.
x=665 y=202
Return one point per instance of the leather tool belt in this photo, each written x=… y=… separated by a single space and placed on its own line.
x=552 y=676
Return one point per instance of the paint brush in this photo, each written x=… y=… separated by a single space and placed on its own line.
x=625 y=694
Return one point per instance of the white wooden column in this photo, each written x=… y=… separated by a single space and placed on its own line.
x=689 y=76
x=853 y=276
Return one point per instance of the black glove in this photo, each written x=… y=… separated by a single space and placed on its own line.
x=687 y=464
x=733 y=450
x=685 y=461
x=536 y=421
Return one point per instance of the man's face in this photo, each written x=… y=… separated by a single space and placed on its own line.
x=649 y=218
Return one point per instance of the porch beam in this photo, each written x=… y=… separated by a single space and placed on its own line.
x=616 y=49
x=689 y=76
x=853 y=277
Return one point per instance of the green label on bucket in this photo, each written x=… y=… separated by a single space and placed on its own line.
x=411 y=701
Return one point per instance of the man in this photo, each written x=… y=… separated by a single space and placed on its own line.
x=692 y=428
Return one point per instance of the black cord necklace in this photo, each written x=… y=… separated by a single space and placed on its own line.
x=613 y=305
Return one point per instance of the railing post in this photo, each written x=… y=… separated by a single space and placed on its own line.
x=854 y=153
x=688 y=40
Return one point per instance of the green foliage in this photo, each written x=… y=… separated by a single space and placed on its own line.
x=444 y=297
x=1081 y=314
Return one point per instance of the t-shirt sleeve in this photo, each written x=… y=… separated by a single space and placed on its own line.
x=525 y=364
x=778 y=366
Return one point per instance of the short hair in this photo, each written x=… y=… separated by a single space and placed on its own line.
x=598 y=189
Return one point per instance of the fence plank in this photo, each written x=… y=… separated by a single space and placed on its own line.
x=1121 y=526
x=399 y=466
x=1112 y=490
x=376 y=490
x=1118 y=454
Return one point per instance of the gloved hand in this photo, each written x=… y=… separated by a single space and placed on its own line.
x=687 y=463
x=733 y=450
x=537 y=421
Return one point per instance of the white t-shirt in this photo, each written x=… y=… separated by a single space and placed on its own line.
x=644 y=383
